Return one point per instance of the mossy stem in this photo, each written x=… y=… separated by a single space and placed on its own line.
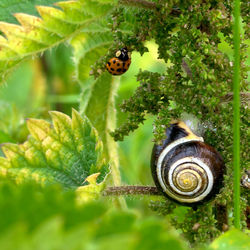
x=236 y=117
x=130 y=190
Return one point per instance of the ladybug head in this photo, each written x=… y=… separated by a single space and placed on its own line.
x=123 y=54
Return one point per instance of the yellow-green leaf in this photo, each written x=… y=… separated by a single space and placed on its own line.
x=36 y=34
x=66 y=151
x=91 y=191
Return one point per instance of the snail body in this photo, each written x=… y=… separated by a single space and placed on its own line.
x=184 y=168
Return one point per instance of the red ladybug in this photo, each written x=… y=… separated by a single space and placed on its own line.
x=120 y=63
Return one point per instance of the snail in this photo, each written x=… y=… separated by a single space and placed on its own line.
x=184 y=168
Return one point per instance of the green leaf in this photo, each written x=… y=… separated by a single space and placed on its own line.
x=32 y=205
x=55 y=26
x=91 y=191
x=51 y=219
x=231 y=240
x=67 y=153
x=88 y=48
x=97 y=100
x=8 y=7
x=98 y=105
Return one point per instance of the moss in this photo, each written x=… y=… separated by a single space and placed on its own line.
x=198 y=82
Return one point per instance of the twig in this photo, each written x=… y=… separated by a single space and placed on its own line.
x=131 y=190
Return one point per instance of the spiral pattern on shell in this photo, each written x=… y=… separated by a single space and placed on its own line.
x=185 y=168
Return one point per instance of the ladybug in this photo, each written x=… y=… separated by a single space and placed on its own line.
x=120 y=63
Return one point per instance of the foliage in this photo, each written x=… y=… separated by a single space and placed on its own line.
x=198 y=81
x=103 y=116
x=194 y=44
x=66 y=153
x=16 y=106
x=8 y=7
x=12 y=125
x=53 y=220
x=36 y=34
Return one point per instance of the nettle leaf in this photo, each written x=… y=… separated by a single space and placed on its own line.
x=8 y=7
x=36 y=35
x=98 y=105
x=88 y=48
x=67 y=152
x=129 y=15
x=91 y=191
x=97 y=99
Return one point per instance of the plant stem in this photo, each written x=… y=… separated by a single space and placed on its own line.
x=131 y=190
x=139 y=3
x=236 y=117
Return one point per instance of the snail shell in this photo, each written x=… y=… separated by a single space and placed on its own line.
x=186 y=169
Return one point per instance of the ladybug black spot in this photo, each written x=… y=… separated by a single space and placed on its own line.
x=118 y=65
